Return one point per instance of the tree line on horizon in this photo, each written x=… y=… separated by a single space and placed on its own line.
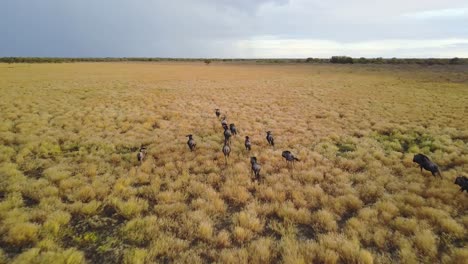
x=333 y=59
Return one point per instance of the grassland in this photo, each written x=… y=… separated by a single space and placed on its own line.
x=72 y=191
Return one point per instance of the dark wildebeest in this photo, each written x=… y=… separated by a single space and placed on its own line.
x=270 y=139
x=191 y=142
x=248 y=145
x=233 y=129
x=255 y=167
x=227 y=135
x=224 y=123
x=462 y=181
x=425 y=163
x=141 y=154
x=289 y=157
x=217 y=112
x=226 y=150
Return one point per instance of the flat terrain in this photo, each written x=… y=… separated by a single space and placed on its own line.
x=72 y=191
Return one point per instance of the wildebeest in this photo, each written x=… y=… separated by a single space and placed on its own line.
x=425 y=163
x=224 y=123
x=227 y=135
x=233 y=129
x=226 y=150
x=217 y=112
x=255 y=167
x=141 y=154
x=191 y=142
x=270 y=139
x=248 y=144
x=289 y=157
x=462 y=181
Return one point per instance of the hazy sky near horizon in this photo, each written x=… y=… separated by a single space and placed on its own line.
x=234 y=29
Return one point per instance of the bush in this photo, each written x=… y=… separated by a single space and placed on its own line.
x=362 y=60
x=455 y=61
x=341 y=59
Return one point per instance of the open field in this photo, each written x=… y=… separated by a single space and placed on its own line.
x=72 y=191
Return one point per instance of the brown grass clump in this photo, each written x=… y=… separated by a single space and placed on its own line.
x=324 y=220
x=205 y=231
x=72 y=190
x=260 y=251
x=135 y=256
x=21 y=234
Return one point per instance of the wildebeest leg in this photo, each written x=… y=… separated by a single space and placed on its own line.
x=421 y=168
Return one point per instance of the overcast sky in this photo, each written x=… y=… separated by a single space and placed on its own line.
x=234 y=29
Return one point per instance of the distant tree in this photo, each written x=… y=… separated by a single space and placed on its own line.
x=378 y=60
x=207 y=61
x=455 y=61
x=341 y=59
x=308 y=60
x=362 y=60
x=393 y=61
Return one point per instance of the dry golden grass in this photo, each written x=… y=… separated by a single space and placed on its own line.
x=72 y=191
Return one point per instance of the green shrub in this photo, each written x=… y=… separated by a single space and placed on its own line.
x=342 y=59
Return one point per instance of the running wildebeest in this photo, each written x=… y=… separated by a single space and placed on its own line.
x=248 y=145
x=255 y=167
x=233 y=129
x=462 y=181
x=224 y=123
x=141 y=154
x=217 y=112
x=270 y=139
x=226 y=150
x=289 y=156
x=191 y=142
x=425 y=163
x=227 y=135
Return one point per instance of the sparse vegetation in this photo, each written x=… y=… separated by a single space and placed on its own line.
x=342 y=59
x=333 y=59
x=73 y=191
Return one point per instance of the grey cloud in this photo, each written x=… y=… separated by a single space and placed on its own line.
x=207 y=28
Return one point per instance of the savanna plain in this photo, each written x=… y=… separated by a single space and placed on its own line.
x=72 y=190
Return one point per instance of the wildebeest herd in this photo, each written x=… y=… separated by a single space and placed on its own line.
x=230 y=130
x=425 y=163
